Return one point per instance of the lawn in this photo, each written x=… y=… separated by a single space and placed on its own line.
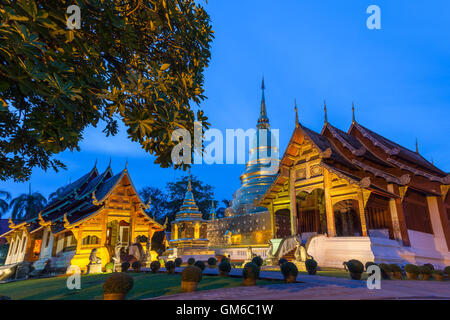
x=146 y=285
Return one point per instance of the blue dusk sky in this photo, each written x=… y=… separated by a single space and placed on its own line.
x=399 y=78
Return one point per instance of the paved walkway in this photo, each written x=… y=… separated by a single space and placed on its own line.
x=319 y=288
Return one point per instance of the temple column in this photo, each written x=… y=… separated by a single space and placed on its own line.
x=175 y=231
x=197 y=230
x=398 y=218
x=362 y=213
x=293 y=201
x=331 y=226
x=439 y=223
x=272 y=220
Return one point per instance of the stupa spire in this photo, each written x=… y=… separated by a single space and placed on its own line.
x=263 y=120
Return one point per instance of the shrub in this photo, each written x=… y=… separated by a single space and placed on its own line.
x=212 y=261
x=178 y=262
x=429 y=265
x=170 y=267
x=447 y=270
x=411 y=268
x=281 y=261
x=385 y=271
x=394 y=268
x=311 y=266
x=125 y=266
x=225 y=266
x=258 y=261
x=109 y=267
x=425 y=270
x=225 y=259
x=191 y=261
x=289 y=269
x=355 y=266
x=118 y=282
x=154 y=266
x=368 y=264
x=200 y=265
x=438 y=272
x=136 y=266
x=250 y=271
x=191 y=274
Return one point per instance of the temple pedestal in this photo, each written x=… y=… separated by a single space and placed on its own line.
x=94 y=268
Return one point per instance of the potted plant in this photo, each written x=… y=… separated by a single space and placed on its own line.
x=356 y=268
x=125 y=266
x=396 y=271
x=412 y=271
x=290 y=272
x=136 y=266
x=311 y=266
x=425 y=272
x=447 y=271
x=190 y=277
x=258 y=261
x=438 y=275
x=170 y=267
x=212 y=262
x=250 y=274
x=369 y=263
x=386 y=273
x=225 y=259
x=200 y=264
x=224 y=268
x=116 y=286
x=191 y=261
x=154 y=266
x=109 y=267
x=178 y=262
x=281 y=261
x=429 y=265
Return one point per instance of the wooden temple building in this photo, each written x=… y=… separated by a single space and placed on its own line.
x=97 y=211
x=358 y=195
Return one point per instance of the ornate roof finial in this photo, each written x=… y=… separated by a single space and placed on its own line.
x=353 y=112
x=325 y=110
x=95 y=164
x=417 y=145
x=213 y=213
x=189 y=182
x=296 y=113
x=126 y=164
x=109 y=164
x=263 y=120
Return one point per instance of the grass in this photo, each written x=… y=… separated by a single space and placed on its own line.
x=146 y=285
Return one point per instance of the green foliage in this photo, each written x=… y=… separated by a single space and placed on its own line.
x=411 y=268
x=4 y=204
x=109 y=267
x=178 y=262
x=125 y=266
x=425 y=270
x=225 y=266
x=429 y=265
x=258 y=261
x=170 y=267
x=355 y=266
x=191 y=261
x=27 y=205
x=438 y=272
x=311 y=266
x=289 y=269
x=191 y=274
x=385 y=271
x=447 y=270
x=137 y=63
x=136 y=266
x=250 y=271
x=225 y=259
x=200 y=265
x=394 y=268
x=212 y=261
x=118 y=282
x=155 y=266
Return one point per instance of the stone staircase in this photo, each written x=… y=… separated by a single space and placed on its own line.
x=290 y=255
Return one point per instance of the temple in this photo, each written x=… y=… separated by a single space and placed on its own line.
x=358 y=195
x=189 y=232
x=97 y=211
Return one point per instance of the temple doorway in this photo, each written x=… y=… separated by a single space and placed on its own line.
x=379 y=221
x=283 y=223
x=311 y=212
x=347 y=220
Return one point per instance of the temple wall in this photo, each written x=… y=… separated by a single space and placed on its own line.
x=246 y=229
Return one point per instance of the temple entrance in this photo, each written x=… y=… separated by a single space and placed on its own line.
x=379 y=222
x=283 y=223
x=311 y=212
x=415 y=208
x=347 y=220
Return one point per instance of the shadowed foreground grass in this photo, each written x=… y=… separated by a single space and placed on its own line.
x=146 y=285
